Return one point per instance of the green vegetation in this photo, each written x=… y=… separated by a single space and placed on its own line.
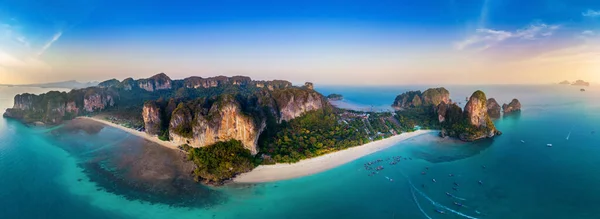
x=423 y=116
x=220 y=161
x=323 y=131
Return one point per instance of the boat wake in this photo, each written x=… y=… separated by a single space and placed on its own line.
x=456 y=197
x=434 y=203
x=417 y=202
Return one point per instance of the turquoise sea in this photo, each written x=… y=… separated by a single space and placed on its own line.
x=90 y=171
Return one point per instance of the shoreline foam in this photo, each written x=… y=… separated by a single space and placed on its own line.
x=277 y=172
x=143 y=135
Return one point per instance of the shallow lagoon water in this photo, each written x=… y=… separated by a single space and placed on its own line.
x=52 y=174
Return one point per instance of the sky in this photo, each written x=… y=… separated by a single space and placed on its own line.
x=352 y=42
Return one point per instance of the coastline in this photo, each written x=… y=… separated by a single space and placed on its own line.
x=270 y=173
x=143 y=135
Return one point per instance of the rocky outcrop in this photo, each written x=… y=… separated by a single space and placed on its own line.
x=309 y=85
x=407 y=100
x=127 y=84
x=477 y=117
x=49 y=108
x=198 y=82
x=513 y=106
x=151 y=114
x=157 y=82
x=476 y=109
x=274 y=85
x=469 y=125
x=24 y=101
x=97 y=101
x=109 y=83
x=430 y=97
x=494 y=109
x=581 y=83
x=200 y=124
x=435 y=96
x=292 y=102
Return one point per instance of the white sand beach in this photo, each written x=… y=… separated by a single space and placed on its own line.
x=269 y=173
x=144 y=135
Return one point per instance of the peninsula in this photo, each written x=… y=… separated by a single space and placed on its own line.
x=231 y=125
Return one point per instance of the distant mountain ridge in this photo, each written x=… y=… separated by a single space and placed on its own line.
x=72 y=84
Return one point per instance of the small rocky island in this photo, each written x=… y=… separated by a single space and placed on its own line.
x=335 y=97
x=512 y=107
x=581 y=83
x=576 y=83
x=437 y=111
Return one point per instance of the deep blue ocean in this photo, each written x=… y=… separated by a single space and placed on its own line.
x=101 y=172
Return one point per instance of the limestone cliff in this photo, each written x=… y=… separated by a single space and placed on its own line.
x=109 y=83
x=435 y=96
x=199 y=82
x=127 y=84
x=513 y=106
x=430 y=97
x=481 y=126
x=157 y=82
x=407 y=100
x=292 y=102
x=152 y=117
x=50 y=108
x=493 y=107
x=95 y=101
x=469 y=125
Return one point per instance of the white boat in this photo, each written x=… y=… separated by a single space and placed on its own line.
x=522 y=141
x=549 y=145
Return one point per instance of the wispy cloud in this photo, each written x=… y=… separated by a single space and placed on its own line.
x=49 y=43
x=484 y=38
x=588 y=33
x=591 y=13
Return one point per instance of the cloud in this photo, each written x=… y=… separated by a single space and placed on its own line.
x=49 y=43
x=484 y=38
x=588 y=33
x=533 y=31
x=591 y=13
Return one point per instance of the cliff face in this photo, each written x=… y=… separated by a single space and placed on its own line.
x=198 y=82
x=109 y=83
x=513 y=106
x=493 y=108
x=53 y=107
x=435 y=96
x=151 y=115
x=430 y=97
x=477 y=117
x=157 y=82
x=476 y=109
x=293 y=102
x=407 y=100
x=24 y=101
x=200 y=124
x=95 y=102
x=127 y=84
x=469 y=125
